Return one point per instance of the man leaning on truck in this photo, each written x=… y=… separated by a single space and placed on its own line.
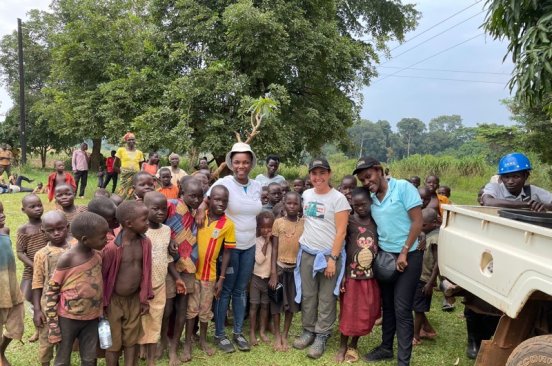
x=511 y=191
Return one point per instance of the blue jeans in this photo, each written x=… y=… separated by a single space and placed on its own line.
x=237 y=276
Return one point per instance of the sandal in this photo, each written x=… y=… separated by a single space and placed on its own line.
x=351 y=355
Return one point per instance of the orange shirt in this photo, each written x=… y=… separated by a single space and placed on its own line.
x=171 y=192
x=442 y=200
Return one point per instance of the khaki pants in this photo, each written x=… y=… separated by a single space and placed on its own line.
x=318 y=302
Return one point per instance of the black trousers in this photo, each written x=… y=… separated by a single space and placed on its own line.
x=397 y=300
x=111 y=176
x=86 y=331
x=81 y=176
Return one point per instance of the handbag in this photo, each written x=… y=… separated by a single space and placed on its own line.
x=276 y=295
x=385 y=267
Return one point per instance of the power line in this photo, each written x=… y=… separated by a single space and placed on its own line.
x=430 y=57
x=446 y=79
x=448 y=70
x=435 y=36
x=435 y=25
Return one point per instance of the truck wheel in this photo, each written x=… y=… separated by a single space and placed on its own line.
x=535 y=351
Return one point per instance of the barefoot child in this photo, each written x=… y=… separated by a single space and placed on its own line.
x=360 y=305
x=107 y=209
x=348 y=183
x=75 y=291
x=65 y=199
x=286 y=232
x=126 y=271
x=160 y=236
x=217 y=232
x=168 y=189
x=55 y=227
x=30 y=239
x=274 y=196
x=11 y=299
x=299 y=185
x=59 y=177
x=258 y=291
x=142 y=183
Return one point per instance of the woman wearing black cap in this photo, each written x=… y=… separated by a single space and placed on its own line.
x=396 y=209
x=320 y=262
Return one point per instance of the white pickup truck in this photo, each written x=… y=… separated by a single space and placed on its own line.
x=508 y=264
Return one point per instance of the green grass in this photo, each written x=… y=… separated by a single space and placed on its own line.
x=447 y=349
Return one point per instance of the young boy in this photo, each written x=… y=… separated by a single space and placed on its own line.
x=142 y=183
x=75 y=292
x=432 y=183
x=274 y=196
x=444 y=191
x=203 y=178
x=348 y=183
x=168 y=189
x=11 y=299
x=264 y=195
x=217 y=232
x=258 y=291
x=415 y=180
x=126 y=271
x=117 y=200
x=181 y=220
x=299 y=185
x=59 y=177
x=107 y=209
x=55 y=227
x=30 y=239
x=160 y=236
x=285 y=187
x=65 y=199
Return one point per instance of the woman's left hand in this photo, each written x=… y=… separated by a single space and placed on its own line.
x=401 y=262
x=330 y=269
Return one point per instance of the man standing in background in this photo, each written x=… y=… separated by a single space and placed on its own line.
x=80 y=168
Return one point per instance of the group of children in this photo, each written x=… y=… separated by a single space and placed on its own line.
x=151 y=271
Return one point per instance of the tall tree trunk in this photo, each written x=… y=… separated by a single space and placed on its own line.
x=43 y=156
x=95 y=156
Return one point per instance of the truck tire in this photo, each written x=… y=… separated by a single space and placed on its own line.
x=534 y=351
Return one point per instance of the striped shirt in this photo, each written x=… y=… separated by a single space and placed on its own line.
x=30 y=244
x=210 y=239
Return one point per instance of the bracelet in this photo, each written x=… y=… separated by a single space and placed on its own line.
x=222 y=277
x=406 y=247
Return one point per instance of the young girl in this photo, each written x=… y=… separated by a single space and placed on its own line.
x=360 y=295
x=152 y=164
x=30 y=239
x=285 y=244
x=258 y=291
x=65 y=200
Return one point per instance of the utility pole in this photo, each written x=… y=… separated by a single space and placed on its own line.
x=22 y=136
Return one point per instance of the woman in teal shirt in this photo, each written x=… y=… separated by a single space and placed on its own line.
x=397 y=210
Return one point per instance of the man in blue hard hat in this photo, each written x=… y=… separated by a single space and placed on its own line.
x=511 y=191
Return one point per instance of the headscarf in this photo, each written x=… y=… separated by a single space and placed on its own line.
x=129 y=135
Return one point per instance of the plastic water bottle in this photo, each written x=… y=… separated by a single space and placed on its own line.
x=104 y=332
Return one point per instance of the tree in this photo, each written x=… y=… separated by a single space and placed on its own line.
x=411 y=132
x=367 y=139
x=500 y=139
x=444 y=132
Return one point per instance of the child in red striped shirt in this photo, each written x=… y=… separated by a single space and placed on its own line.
x=217 y=231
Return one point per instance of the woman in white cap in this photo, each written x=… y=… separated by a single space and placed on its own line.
x=244 y=205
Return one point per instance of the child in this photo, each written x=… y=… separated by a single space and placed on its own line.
x=101 y=192
x=142 y=183
x=101 y=171
x=415 y=180
x=181 y=220
x=65 y=199
x=59 y=177
x=360 y=304
x=161 y=264
x=3 y=228
x=75 y=292
x=40 y=189
x=12 y=311
x=308 y=183
x=424 y=290
x=299 y=185
x=203 y=178
x=274 y=196
x=279 y=210
x=127 y=281
x=286 y=232
x=55 y=228
x=258 y=291
x=444 y=191
x=112 y=174
x=168 y=189
x=152 y=164
x=117 y=200
x=264 y=195
x=217 y=231
x=432 y=183
x=285 y=187
x=348 y=183
x=107 y=209
x=30 y=239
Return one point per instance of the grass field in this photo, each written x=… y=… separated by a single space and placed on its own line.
x=447 y=349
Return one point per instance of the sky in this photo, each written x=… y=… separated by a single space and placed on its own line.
x=409 y=93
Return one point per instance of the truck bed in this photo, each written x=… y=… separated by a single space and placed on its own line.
x=500 y=260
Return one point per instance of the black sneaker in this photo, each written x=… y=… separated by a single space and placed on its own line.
x=378 y=354
x=224 y=344
x=241 y=342
x=318 y=347
x=304 y=340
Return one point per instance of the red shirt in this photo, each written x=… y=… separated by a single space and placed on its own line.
x=109 y=164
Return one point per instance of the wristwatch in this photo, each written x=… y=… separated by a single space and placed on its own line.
x=334 y=257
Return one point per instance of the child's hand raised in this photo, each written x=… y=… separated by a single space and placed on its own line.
x=181 y=287
x=39 y=319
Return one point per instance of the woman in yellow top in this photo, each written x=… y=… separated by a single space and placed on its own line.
x=128 y=161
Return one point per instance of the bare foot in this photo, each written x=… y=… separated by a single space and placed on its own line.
x=186 y=352
x=264 y=338
x=206 y=348
x=285 y=345
x=34 y=337
x=277 y=345
x=340 y=356
x=428 y=334
x=161 y=347
x=416 y=342
x=253 y=340
x=173 y=357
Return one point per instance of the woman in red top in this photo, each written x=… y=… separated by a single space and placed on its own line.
x=112 y=174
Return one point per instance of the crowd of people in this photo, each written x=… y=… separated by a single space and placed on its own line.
x=170 y=252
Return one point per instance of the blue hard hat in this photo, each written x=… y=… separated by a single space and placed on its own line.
x=513 y=162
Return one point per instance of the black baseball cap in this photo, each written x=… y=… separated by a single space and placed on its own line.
x=319 y=163
x=366 y=162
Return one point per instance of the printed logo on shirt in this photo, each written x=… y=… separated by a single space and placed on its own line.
x=215 y=234
x=315 y=209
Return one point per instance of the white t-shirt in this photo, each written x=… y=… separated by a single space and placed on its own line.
x=244 y=204
x=265 y=181
x=319 y=212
